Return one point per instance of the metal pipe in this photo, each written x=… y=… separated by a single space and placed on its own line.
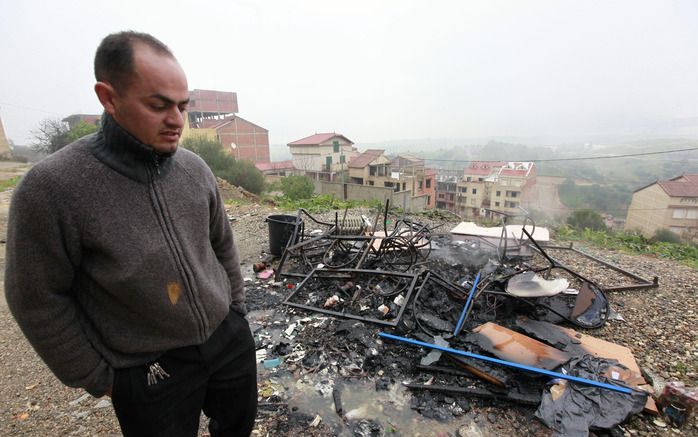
x=645 y=283
x=509 y=364
x=467 y=304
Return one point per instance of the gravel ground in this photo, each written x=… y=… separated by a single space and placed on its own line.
x=659 y=328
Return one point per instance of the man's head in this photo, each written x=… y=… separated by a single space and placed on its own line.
x=142 y=86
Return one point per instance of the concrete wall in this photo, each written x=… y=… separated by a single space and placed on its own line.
x=365 y=192
x=404 y=200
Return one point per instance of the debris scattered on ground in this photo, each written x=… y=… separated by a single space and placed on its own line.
x=426 y=287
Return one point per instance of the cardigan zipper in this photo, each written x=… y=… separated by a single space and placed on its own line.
x=171 y=240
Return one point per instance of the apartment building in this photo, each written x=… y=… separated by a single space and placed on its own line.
x=402 y=173
x=322 y=156
x=213 y=114
x=486 y=188
x=670 y=204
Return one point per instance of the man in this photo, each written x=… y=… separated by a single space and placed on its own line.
x=121 y=268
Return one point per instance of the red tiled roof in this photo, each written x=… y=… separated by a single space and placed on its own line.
x=693 y=178
x=481 y=168
x=512 y=172
x=281 y=165
x=365 y=158
x=316 y=139
x=232 y=118
x=688 y=188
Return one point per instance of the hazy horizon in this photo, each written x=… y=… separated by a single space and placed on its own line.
x=382 y=71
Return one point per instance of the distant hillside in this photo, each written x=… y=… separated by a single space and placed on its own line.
x=25 y=153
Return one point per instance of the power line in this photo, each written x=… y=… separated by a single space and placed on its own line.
x=582 y=158
x=29 y=108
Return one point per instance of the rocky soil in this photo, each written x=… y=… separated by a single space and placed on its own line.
x=295 y=399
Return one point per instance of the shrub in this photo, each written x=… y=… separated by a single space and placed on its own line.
x=297 y=187
x=240 y=173
x=586 y=219
x=666 y=236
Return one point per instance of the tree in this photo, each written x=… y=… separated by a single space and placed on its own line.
x=210 y=151
x=586 y=219
x=53 y=135
x=297 y=187
x=244 y=174
x=80 y=130
x=239 y=173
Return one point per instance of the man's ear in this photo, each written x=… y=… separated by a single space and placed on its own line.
x=106 y=95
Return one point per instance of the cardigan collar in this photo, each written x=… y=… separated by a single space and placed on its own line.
x=121 y=151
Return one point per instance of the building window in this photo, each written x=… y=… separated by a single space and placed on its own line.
x=474 y=190
x=468 y=179
x=342 y=159
x=496 y=203
x=335 y=146
x=328 y=161
x=684 y=213
x=480 y=179
x=428 y=183
x=419 y=185
x=370 y=182
x=428 y=200
x=463 y=189
x=512 y=194
x=499 y=193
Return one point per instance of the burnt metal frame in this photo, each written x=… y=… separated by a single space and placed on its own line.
x=412 y=242
x=644 y=283
x=298 y=233
x=555 y=264
x=350 y=273
x=503 y=245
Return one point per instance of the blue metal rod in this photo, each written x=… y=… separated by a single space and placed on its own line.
x=509 y=364
x=467 y=304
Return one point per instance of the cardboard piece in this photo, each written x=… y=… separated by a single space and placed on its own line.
x=511 y=346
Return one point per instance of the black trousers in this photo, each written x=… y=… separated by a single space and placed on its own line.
x=218 y=377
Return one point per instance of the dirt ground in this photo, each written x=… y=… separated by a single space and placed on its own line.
x=659 y=327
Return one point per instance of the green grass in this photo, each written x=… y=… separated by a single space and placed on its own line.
x=9 y=183
x=322 y=203
x=633 y=243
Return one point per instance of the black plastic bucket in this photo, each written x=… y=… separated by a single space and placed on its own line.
x=281 y=227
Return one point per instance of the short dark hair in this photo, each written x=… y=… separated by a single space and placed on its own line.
x=114 y=57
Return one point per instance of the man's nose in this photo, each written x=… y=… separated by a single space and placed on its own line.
x=175 y=118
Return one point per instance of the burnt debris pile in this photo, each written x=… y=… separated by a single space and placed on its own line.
x=458 y=317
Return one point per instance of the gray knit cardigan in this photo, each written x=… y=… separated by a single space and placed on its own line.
x=116 y=254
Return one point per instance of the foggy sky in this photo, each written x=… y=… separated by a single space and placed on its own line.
x=377 y=70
